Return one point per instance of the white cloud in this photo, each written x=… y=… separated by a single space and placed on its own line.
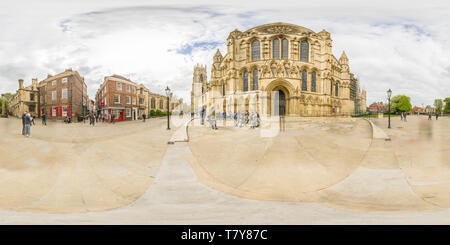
x=401 y=45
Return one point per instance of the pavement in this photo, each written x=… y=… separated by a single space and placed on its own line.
x=353 y=180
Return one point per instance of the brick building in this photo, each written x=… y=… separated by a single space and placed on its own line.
x=117 y=96
x=63 y=95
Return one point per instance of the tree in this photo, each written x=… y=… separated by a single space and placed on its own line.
x=1 y=105
x=394 y=103
x=8 y=96
x=447 y=105
x=438 y=105
x=404 y=104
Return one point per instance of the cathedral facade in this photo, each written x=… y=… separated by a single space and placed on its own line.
x=278 y=69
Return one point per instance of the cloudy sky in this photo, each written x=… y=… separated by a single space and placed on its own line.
x=402 y=45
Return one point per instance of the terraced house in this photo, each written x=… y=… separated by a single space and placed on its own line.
x=63 y=95
x=117 y=96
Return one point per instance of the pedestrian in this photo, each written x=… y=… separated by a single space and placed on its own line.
x=202 y=115
x=143 y=117
x=437 y=115
x=112 y=118
x=23 y=122
x=91 y=119
x=28 y=125
x=96 y=117
x=224 y=118
x=44 y=119
x=404 y=116
x=212 y=119
x=429 y=115
x=235 y=117
x=401 y=116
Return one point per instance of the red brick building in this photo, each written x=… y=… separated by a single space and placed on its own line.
x=117 y=96
x=374 y=108
x=63 y=95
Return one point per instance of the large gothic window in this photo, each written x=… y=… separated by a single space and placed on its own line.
x=336 y=90
x=313 y=81
x=255 y=79
x=153 y=102
x=276 y=48
x=255 y=50
x=304 y=80
x=201 y=78
x=284 y=49
x=304 y=51
x=245 y=81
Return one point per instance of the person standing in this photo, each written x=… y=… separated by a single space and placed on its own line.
x=44 y=120
x=112 y=118
x=429 y=115
x=28 y=125
x=437 y=115
x=401 y=116
x=202 y=115
x=23 y=122
x=91 y=119
x=143 y=117
x=404 y=116
x=235 y=117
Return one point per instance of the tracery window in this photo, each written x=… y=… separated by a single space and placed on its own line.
x=304 y=80
x=284 y=49
x=313 y=81
x=255 y=79
x=245 y=81
x=304 y=51
x=255 y=50
x=276 y=48
x=336 y=90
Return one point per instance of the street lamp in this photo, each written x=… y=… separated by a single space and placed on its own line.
x=168 y=98
x=389 y=93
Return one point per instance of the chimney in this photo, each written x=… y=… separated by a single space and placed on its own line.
x=34 y=83
x=20 y=83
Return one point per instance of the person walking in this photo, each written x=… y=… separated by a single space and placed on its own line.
x=429 y=115
x=44 y=120
x=23 y=122
x=437 y=115
x=112 y=118
x=28 y=125
x=235 y=119
x=401 y=116
x=404 y=116
x=143 y=117
x=91 y=119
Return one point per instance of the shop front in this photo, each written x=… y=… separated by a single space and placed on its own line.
x=114 y=113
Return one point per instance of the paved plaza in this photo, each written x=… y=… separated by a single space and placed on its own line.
x=317 y=171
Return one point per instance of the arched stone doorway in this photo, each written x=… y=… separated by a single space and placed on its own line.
x=282 y=90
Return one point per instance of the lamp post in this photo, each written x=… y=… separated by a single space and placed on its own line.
x=168 y=98
x=389 y=93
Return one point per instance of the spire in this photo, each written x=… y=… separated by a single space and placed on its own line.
x=218 y=57
x=343 y=59
x=218 y=53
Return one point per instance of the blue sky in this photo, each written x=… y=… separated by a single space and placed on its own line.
x=402 y=45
